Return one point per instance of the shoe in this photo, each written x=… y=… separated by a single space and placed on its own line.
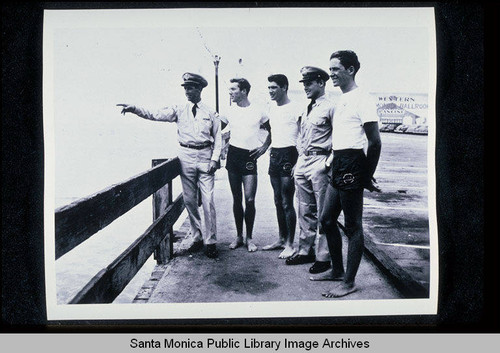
x=320 y=266
x=300 y=259
x=196 y=246
x=211 y=251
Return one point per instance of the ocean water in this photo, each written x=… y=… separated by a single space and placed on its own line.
x=90 y=158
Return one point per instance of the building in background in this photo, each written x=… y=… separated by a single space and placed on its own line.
x=402 y=112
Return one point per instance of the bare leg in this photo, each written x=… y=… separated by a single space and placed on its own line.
x=235 y=181
x=250 y=188
x=287 y=193
x=280 y=213
x=352 y=204
x=328 y=218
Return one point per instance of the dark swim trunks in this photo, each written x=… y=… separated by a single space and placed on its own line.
x=239 y=161
x=282 y=161
x=349 y=169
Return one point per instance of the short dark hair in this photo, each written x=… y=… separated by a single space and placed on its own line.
x=280 y=79
x=242 y=83
x=347 y=58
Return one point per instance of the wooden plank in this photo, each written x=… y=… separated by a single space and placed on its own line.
x=404 y=283
x=170 y=245
x=162 y=198
x=109 y=282
x=78 y=221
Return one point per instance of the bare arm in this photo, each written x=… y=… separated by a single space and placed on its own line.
x=329 y=160
x=256 y=153
x=373 y=152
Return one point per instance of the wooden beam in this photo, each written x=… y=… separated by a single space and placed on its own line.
x=110 y=282
x=162 y=198
x=79 y=220
x=403 y=282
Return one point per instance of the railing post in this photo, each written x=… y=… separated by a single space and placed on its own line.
x=161 y=200
x=171 y=229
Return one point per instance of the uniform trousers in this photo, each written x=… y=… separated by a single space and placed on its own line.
x=311 y=180
x=194 y=176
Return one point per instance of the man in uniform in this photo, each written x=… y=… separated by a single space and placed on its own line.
x=199 y=136
x=355 y=123
x=311 y=178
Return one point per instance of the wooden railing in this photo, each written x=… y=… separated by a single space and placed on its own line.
x=81 y=219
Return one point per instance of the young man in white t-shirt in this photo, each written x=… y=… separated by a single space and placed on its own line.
x=245 y=121
x=283 y=119
x=355 y=122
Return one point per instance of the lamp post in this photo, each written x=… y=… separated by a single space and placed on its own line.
x=216 y=63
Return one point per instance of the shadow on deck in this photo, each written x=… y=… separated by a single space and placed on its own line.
x=240 y=276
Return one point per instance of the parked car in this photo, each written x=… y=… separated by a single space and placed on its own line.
x=417 y=129
x=422 y=130
x=401 y=128
x=411 y=129
x=388 y=127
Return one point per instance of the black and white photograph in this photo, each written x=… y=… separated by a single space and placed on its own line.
x=240 y=163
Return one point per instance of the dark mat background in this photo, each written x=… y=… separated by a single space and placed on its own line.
x=467 y=161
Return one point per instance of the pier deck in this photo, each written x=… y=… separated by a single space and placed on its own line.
x=396 y=224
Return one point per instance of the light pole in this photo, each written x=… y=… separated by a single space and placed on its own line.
x=216 y=63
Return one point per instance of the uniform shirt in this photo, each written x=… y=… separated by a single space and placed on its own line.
x=244 y=123
x=191 y=130
x=284 y=124
x=316 y=128
x=353 y=109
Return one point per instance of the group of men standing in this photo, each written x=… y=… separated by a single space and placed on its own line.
x=327 y=152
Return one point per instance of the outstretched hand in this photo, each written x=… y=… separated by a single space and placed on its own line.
x=372 y=185
x=127 y=108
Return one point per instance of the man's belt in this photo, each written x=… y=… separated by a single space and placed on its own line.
x=197 y=147
x=316 y=153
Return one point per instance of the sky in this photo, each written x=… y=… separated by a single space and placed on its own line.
x=97 y=59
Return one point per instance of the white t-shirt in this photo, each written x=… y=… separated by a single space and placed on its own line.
x=284 y=124
x=353 y=109
x=245 y=123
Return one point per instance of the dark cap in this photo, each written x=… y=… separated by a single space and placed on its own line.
x=311 y=73
x=194 y=79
